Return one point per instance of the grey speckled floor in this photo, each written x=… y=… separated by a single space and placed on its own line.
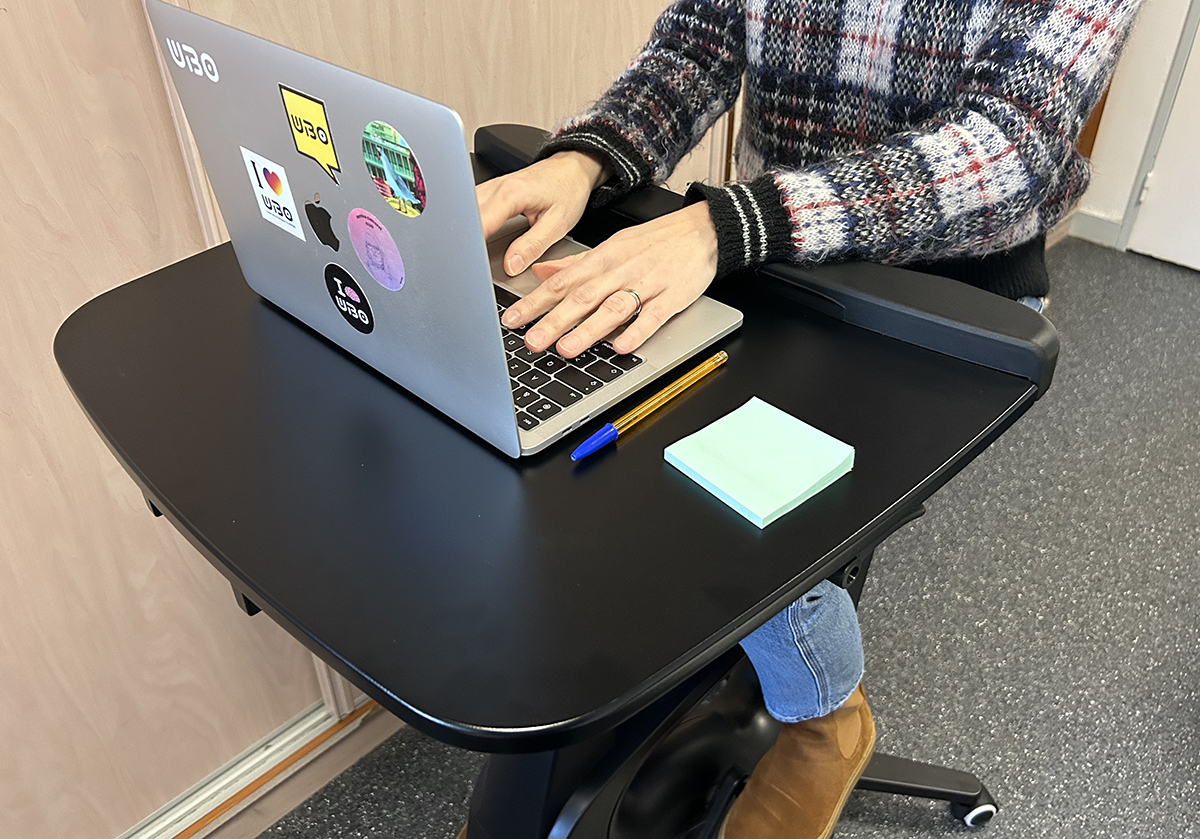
x=1040 y=626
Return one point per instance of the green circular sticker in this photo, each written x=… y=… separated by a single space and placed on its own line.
x=394 y=169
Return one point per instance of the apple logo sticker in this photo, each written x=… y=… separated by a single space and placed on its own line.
x=349 y=298
x=376 y=249
x=318 y=220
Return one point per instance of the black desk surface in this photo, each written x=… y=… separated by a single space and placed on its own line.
x=501 y=605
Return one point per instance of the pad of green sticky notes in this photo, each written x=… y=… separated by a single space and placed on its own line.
x=761 y=461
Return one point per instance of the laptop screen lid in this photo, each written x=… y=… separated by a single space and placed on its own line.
x=350 y=205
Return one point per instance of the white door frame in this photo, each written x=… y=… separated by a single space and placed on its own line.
x=1158 y=128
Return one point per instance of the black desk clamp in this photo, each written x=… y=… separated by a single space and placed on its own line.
x=675 y=768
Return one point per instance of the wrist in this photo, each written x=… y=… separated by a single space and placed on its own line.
x=753 y=224
x=701 y=220
x=593 y=167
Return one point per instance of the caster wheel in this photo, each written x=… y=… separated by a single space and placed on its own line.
x=977 y=813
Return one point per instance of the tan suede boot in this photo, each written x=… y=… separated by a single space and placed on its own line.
x=798 y=789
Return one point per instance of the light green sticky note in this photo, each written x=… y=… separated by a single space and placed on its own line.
x=761 y=461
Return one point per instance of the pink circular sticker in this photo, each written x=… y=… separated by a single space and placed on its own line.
x=376 y=249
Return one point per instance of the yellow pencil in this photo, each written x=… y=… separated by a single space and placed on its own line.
x=612 y=430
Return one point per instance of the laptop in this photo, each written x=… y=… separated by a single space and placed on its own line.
x=351 y=206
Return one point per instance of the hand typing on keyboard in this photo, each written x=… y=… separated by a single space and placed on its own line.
x=667 y=262
x=543 y=383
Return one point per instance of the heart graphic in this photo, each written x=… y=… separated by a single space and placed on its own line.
x=273 y=181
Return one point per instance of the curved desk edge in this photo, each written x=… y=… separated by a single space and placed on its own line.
x=567 y=732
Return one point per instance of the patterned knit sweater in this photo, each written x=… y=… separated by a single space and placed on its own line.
x=892 y=131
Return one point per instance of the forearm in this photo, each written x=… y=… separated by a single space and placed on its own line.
x=686 y=76
x=959 y=186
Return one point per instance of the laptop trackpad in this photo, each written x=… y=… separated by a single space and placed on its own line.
x=524 y=282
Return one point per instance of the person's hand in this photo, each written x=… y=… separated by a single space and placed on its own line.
x=552 y=194
x=668 y=262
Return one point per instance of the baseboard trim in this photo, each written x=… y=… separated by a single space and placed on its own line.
x=1059 y=231
x=1102 y=231
x=250 y=775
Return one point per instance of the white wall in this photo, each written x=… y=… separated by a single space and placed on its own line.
x=1125 y=127
x=1169 y=216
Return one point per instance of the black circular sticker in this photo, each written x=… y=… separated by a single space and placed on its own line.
x=348 y=296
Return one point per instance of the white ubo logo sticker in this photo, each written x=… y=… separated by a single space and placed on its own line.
x=273 y=193
x=186 y=57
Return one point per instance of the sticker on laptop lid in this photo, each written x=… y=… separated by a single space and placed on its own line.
x=271 y=189
x=310 y=129
x=376 y=249
x=349 y=298
x=394 y=169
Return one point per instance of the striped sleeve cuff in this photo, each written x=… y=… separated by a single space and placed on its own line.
x=752 y=224
x=629 y=169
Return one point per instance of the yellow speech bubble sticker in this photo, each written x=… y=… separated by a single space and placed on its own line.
x=310 y=129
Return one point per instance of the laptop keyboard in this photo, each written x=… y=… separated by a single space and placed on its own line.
x=544 y=383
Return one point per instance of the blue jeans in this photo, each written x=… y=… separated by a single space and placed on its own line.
x=809 y=657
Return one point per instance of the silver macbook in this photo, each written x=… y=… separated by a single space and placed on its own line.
x=351 y=206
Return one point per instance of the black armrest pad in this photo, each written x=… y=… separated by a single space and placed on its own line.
x=506 y=148
x=940 y=314
x=943 y=315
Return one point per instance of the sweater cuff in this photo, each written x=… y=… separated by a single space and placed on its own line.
x=752 y=224
x=629 y=169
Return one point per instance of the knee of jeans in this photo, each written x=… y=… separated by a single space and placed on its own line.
x=809 y=656
x=821 y=602
x=827 y=633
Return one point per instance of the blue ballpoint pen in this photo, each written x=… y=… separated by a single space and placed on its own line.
x=610 y=431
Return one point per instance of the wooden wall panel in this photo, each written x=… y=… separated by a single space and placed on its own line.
x=530 y=61
x=126 y=672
